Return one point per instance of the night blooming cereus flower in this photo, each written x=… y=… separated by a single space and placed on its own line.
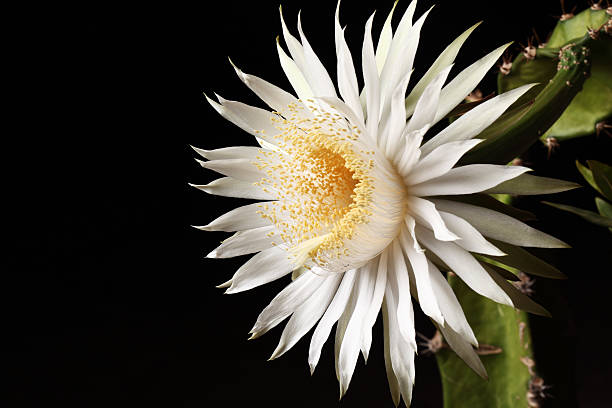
x=360 y=209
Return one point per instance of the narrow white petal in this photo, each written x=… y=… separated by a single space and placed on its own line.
x=466 y=81
x=241 y=218
x=375 y=303
x=469 y=179
x=394 y=386
x=444 y=60
x=351 y=342
x=293 y=73
x=420 y=269
x=286 y=302
x=295 y=48
x=341 y=327
x=425 y=212
x=400 y=59
x=499 y=226
x=384 y=41
x=410 y=153
x=239 y=169
x=401 y=352
x=244 y=242
x=403 y=29
x=307 y=315
x=229 y=187
x=399 y=282
x=331 y=316
x=394 y=123
x=233 y=152
x=262 y=268
x=464 y=350
x=313 y=70
x=347 y=78
x=449 y=305
x=252 y=120
x=469 y=237
x=427 y=105
x=275 y=97
x=476 y=120
x=464 y=265
x=410 y=225
x=440 y=161
x=371 y=81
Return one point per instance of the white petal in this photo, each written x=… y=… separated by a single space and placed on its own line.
x=273 y=96
x=410 y=153
x=262 y=268
x=401 y=352
x=233 y=152
x=449 y=305
x=464 y=265
x=425 y=212
x=400 y=59
x=295 y=48
x=402 y=32
x=239 y=169
x=331 y=316
x=252 y=120
x=394 y=386
x=394 y=123
x=384 y=41
x=244 y=242
x=313 y=70
x=418 y=261
x=286 y=302
x=347 y=79
x=371 y=81
x=374 y=307
x=309 y=312
x=241 y=218
x=446 y=58
x=464 y=350
x=427 y=106
x=294 y=75
x=466 y=81
x=499 y=226
x=229 y=187
x=410 y=225
x=440 y=161
x=351 y=341
x=476 y=120
x=470 y=239
x=469 y=179
x=399 y=282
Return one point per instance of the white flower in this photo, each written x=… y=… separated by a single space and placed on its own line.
x=352 y=199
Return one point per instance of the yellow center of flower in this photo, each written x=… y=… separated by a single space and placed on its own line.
x=321 y=183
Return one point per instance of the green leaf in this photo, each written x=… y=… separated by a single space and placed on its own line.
x=498 y=326
x=526 y=184
x=590 y=216
x=602 y=174
x=525 y=262
x=486 y=201
x=588 y=175
x=603 y=207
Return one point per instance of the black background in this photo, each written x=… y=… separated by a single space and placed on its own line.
x=106 y=295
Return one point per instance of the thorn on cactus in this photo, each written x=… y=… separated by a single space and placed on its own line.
x=551 y=145
x=506 y=66
x=603 y=127
x=595 y=6
x=566 y=16
x=593 y=33
x=529 y=52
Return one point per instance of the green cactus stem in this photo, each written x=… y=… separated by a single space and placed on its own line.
x=594 y=102
x=505 y=350
x=502 y=147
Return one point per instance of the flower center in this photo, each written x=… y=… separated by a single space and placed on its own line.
x=323 y=179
